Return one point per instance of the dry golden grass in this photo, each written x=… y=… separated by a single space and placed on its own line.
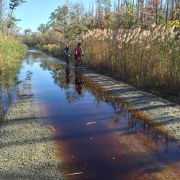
x=147 y=59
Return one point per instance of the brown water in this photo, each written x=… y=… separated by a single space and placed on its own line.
x=97 y=138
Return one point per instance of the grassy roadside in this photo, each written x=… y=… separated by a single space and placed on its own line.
x=11 y=50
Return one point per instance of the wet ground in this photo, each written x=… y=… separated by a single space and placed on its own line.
x=97 y=137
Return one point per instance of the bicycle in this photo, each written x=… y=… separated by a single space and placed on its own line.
x=79 y=61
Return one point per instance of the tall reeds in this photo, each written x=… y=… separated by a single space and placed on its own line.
x=147 y=59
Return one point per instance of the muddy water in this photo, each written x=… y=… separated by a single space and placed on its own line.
x=96 y=136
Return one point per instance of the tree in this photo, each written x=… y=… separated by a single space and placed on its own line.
x=107 y=6
x=27 y=32
x=43 y=28
x=78 y=20
x=2 y=16
x=12 y=6
x=100 y=14
x=59 y=19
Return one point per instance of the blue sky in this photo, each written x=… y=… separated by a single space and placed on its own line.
x=35 y=12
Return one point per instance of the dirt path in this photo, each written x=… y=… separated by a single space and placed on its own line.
x=27 y=147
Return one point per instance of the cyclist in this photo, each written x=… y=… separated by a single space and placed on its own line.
x=78 y=55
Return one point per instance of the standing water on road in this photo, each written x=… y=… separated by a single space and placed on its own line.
x=97 y=137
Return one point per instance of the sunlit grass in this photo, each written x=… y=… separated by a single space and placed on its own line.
x=11 y=51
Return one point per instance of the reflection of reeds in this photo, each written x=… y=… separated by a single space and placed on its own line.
x=150 y=125
x=147 y=59
x=98 y=92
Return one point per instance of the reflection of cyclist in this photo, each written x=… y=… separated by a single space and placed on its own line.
x=67 y=54
x=78 y=55
x=78 y=84
x=67 y=75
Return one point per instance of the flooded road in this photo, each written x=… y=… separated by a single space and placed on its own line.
x=97 y=137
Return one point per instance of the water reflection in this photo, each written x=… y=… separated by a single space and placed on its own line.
x=68 y=75
x=73 y=82
x=66 y=78
x=8 y=84
x=78 y=82
x=135 y=122
x=2 y=109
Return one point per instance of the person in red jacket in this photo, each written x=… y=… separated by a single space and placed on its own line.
x=78 y=55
